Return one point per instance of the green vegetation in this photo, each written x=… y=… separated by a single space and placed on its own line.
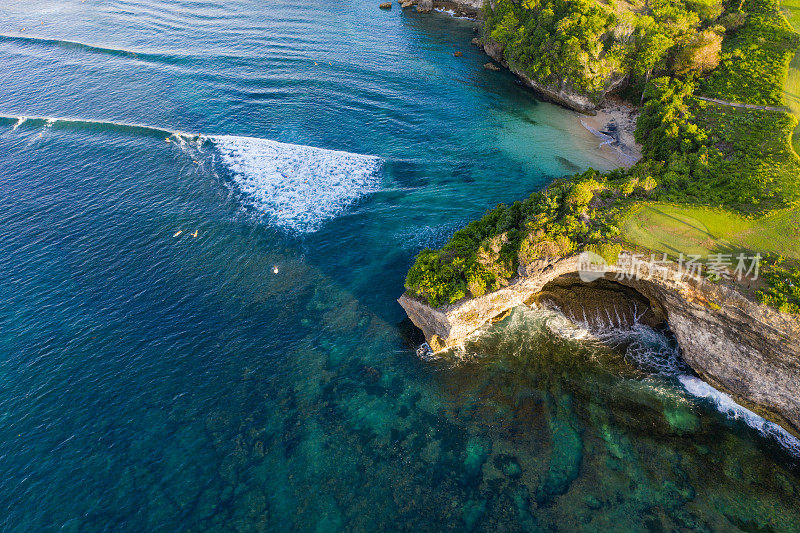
x=782 y=288
x=567 y=216
x=714 y=177
x=702 y=152
x=755 y=59
x=589 y=45
x=672 y=229
x=791 y=93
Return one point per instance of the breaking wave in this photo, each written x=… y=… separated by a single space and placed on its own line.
x=727 y=406
x=17 y=122
x=295 y=187
x=658 y=354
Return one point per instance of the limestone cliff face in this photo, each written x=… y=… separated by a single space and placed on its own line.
x=742 y=347
x=557 y=93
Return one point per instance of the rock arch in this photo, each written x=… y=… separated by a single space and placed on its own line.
x=744 y=348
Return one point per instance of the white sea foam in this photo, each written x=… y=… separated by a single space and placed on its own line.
x=648 y=348
x=726 y=405
x=19 y=123
x=653 y=352
x=426 y=236
x=452 y=13
x=607 y=139
x=297 y=187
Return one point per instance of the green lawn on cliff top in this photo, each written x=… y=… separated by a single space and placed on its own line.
x=674 y=229
x=791 y=93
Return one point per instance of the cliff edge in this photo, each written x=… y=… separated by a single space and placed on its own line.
x=742 y=347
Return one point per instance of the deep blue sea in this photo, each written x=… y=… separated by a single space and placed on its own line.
x=207 y=209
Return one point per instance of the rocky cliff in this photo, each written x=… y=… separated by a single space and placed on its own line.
x=744 y=348
x=560 y=94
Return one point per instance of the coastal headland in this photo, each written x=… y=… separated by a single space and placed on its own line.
x=692 y=96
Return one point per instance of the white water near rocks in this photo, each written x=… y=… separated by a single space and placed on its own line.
x=655 y=353
x=651 y=350
x=607 y=139
x=726 y=405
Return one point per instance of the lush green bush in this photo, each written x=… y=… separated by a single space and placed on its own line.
x=556 y=41
x=755 y=59
x=701 y=53
x=782 y=282
x=609 y=251
x=586 y=45
x=487 y=253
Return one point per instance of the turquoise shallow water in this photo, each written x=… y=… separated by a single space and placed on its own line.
x=160 y=382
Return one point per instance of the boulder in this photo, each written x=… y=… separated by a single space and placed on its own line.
x=491 y=66
x=407 y=3
x=458 y=54
x=425 y=6
x=476 y=41
x=385 y=5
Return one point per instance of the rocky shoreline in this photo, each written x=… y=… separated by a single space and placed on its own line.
x=611 y=119
x=614 y=123
x=560 y=95
x=741 y=347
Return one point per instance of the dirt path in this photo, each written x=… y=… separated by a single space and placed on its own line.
x=744 y=106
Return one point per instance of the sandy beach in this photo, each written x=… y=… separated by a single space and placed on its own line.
x=614 y=124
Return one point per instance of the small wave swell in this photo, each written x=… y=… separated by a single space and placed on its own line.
x=296 y=187
x=89 y=48
x=17 y=122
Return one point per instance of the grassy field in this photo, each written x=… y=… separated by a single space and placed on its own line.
x=756 y=144
x=791 y=9
x=674 y=229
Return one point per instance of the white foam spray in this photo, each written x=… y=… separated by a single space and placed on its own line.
x=607 y=139
x=20 y=121
x=726 y=405
x=297 y=187
x=653 y=352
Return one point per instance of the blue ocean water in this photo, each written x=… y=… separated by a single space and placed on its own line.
x=206 y=214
